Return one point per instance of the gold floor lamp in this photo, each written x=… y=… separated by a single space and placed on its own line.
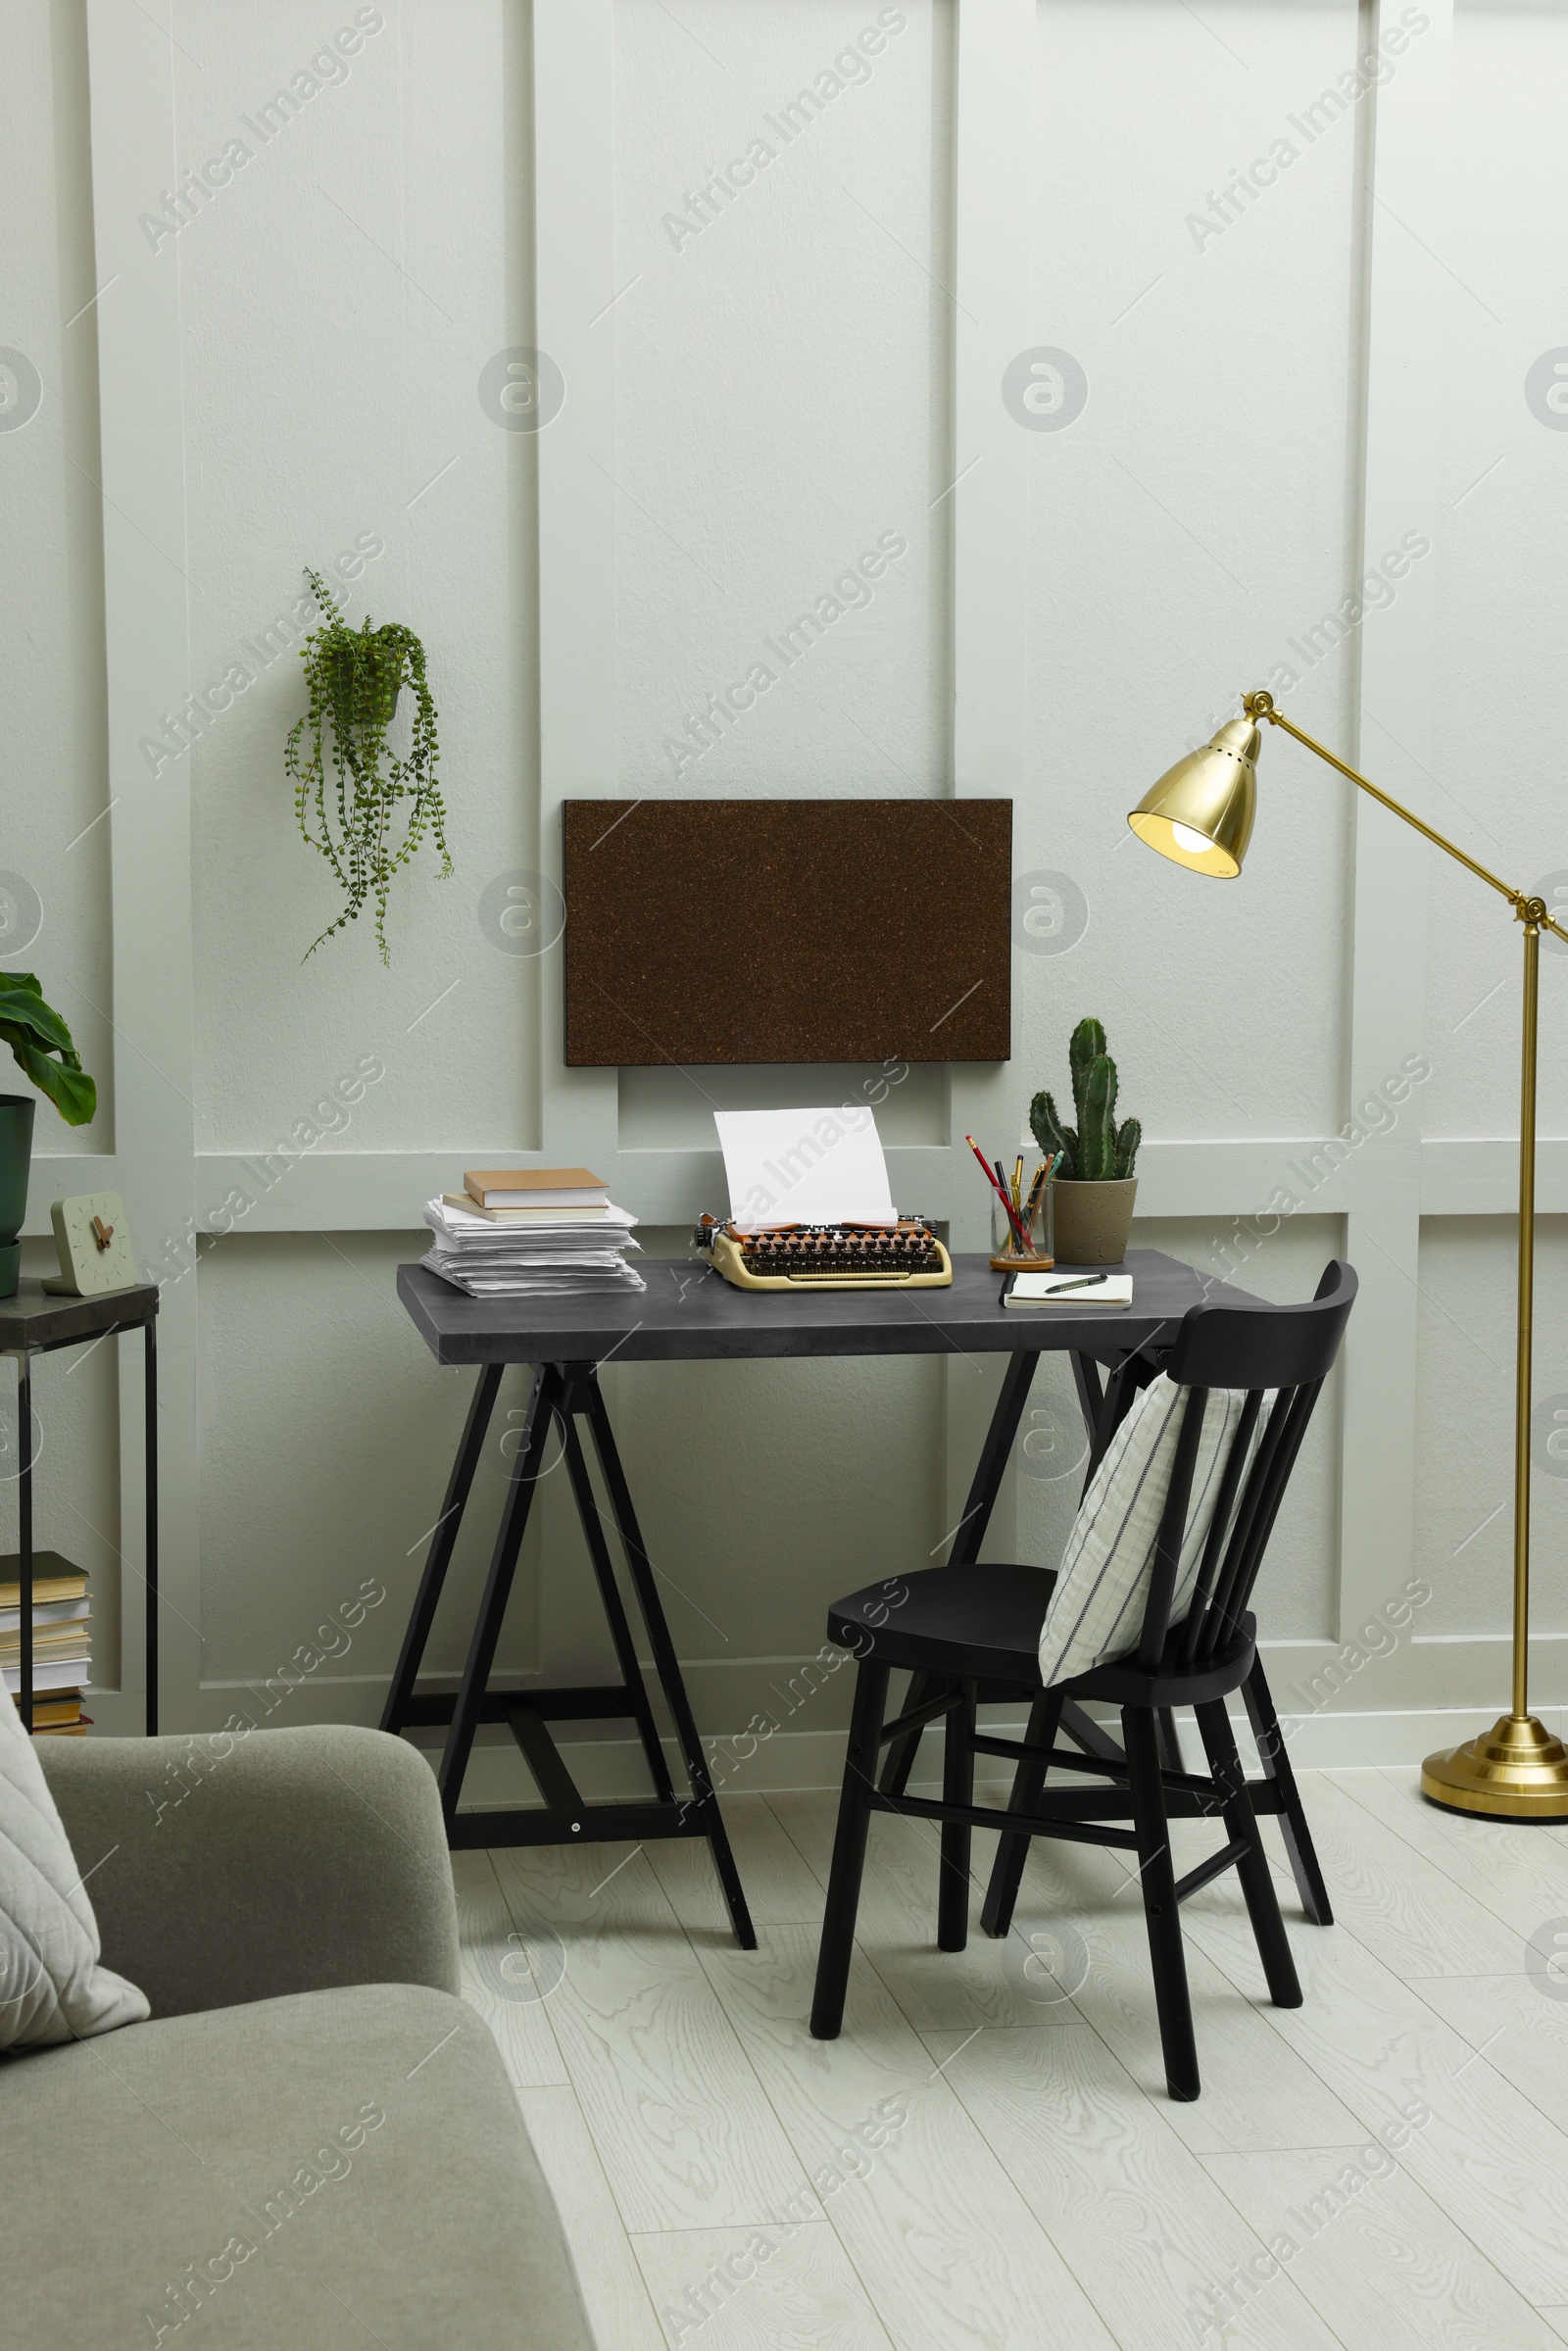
x=1199 y=814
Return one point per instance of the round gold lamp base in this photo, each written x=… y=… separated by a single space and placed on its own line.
x=1514 y=1771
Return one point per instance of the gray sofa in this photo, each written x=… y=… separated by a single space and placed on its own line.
x=313 y=2140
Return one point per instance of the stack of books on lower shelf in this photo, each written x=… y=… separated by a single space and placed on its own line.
x=62 y=1631
x=531 y=1232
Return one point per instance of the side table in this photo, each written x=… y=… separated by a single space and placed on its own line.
x=37 y=1322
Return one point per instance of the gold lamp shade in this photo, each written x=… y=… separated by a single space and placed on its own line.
x=1200 y=813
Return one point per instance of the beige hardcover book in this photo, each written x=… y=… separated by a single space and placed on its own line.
x=54 y=1714
x=46 y=1613
x=50 y=1641
x=535 y=1186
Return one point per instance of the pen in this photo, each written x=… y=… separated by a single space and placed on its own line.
x=1017 y=1184
x=998 y=1188
x=1085 y=1281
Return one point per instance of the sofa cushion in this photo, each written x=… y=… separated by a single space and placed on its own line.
x=331 y=2168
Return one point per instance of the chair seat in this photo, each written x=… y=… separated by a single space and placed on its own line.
x=981 y=1622
x=1122 y=1681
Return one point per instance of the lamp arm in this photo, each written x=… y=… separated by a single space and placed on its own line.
x=1261 y=704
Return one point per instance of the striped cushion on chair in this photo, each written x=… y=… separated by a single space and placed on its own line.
x=1097 y=1611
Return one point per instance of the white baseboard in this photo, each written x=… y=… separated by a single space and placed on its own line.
x=608 y=1770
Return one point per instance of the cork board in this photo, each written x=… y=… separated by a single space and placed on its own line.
x=788 y=930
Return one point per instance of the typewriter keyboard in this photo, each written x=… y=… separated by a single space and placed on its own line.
x=824 y=1252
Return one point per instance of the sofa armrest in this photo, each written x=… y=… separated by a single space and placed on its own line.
x=224 y=1869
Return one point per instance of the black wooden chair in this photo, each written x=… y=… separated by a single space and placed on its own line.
x=971 y=1635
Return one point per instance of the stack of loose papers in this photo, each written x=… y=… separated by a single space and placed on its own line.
x=531 y=1253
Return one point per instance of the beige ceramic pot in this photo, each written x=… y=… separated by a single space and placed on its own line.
x=1092 y=1222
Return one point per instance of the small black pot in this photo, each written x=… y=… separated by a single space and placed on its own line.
x=16 y=1165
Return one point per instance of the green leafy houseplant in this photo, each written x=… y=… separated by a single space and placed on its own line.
x=348 y=782
x=43 y=1050
x=1097 y=1149
x=42 y=1044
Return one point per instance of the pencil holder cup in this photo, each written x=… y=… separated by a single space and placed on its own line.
x=1006 y=1256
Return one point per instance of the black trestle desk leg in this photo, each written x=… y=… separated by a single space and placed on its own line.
x=1028 y=1786
x=1089 y=1383
x=608 y=1591
x=544 y=1399
x=969 y=1536
x=902 y=1751
x=443 y=1538
x=25 y=1527
x=666 y=1665
x=150 y=1475
x=836 y=1947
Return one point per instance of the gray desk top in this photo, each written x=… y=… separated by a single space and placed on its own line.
x=688 y=1312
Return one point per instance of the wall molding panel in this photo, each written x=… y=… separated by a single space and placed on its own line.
x=1383 y=1185
x=1388 y=974
x=146 y=592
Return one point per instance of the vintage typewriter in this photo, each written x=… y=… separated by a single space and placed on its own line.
x=828 y=1257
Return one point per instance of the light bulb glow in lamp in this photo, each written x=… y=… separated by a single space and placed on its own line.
x=1199 y=814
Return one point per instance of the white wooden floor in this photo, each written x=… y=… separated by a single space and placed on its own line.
x=982 y=2160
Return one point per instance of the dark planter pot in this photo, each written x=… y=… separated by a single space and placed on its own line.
x=16 y=1165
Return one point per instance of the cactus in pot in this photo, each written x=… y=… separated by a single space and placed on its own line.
x=1092 y=1228
x=1096 y=1151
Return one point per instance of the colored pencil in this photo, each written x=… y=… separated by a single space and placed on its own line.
x=1011 y=1204
x=990 y=1175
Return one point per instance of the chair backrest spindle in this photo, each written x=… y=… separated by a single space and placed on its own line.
x=1172 y=1527
x=1282 y=1353
x=1224 y=1505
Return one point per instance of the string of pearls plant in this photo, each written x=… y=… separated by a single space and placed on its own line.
x=348 y=782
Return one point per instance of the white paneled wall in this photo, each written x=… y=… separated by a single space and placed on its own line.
x=1200 y=515
x=1166 y=352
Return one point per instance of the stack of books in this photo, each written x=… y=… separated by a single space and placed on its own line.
x=531 y=1232
x=61 y=1637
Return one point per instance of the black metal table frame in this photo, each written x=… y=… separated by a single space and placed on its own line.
x=562 y=1394
x=146 y=1320
x=565 y=1392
